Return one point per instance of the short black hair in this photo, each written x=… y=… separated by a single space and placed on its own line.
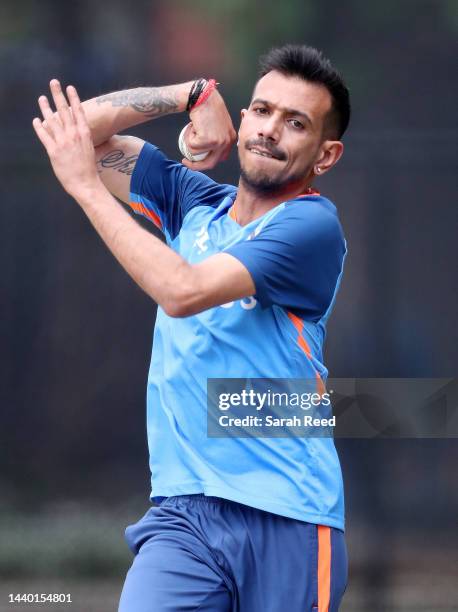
x=310 y=64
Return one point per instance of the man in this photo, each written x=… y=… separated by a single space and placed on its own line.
x=244 y=288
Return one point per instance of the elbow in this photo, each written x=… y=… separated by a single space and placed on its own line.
x=102 y=140
x=177 y=309
x=184 y=298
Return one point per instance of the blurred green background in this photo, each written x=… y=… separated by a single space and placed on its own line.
x=76 y=332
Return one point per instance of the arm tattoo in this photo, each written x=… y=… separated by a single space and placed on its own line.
x=116 y=160
x=152 y=101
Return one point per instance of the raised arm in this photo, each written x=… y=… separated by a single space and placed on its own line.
x=179 y=287
x=110 y=114
x=212 y=128
x=115 y=112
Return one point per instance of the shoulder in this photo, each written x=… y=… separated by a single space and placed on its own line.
x=310 y=208
x=308 y=217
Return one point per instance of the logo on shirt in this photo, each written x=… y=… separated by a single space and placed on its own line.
x=202 y=238
x=254 y=233
x=247 y=303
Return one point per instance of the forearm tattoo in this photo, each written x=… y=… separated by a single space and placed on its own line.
x=151 y=101
x=117 y=160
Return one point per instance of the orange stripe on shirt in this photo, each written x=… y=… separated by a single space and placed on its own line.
x=304 y=346
x=324 y=568
x=140 y=208
x=302 y=342
x=297 y=322
x=320 y=386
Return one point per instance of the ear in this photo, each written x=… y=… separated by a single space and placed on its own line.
x=243 y=112
x=329 y=154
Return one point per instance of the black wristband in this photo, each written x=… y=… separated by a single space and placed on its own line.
x=196 y=90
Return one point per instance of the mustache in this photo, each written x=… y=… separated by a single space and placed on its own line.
x=268 y=146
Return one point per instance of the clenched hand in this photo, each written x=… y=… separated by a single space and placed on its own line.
x=211 y=130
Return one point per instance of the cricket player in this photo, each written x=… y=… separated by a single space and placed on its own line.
x=244 y=285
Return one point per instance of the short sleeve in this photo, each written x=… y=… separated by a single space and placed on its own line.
x=296 y=259
x=164 y=190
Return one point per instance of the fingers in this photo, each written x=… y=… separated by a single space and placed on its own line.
x=52 y=123
x=61 y=125
x=216 y=156
x=198 y=143
x=47 y=128
x=45 y=138
x=61 y=103
x=77 y=108
x=220 y=148
x=206 y=164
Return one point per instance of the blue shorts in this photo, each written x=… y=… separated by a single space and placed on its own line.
x=206 y=553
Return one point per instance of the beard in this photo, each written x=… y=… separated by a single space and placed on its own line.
x=262 y=182
x=268 y=183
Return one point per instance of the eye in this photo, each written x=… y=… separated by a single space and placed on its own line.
x=297 y=125
x=260 y=110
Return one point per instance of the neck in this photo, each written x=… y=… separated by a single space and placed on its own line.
x=249 y=204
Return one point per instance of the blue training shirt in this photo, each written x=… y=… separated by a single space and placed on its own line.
x=295 y=254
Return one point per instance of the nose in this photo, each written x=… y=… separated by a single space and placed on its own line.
x=270 y=127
